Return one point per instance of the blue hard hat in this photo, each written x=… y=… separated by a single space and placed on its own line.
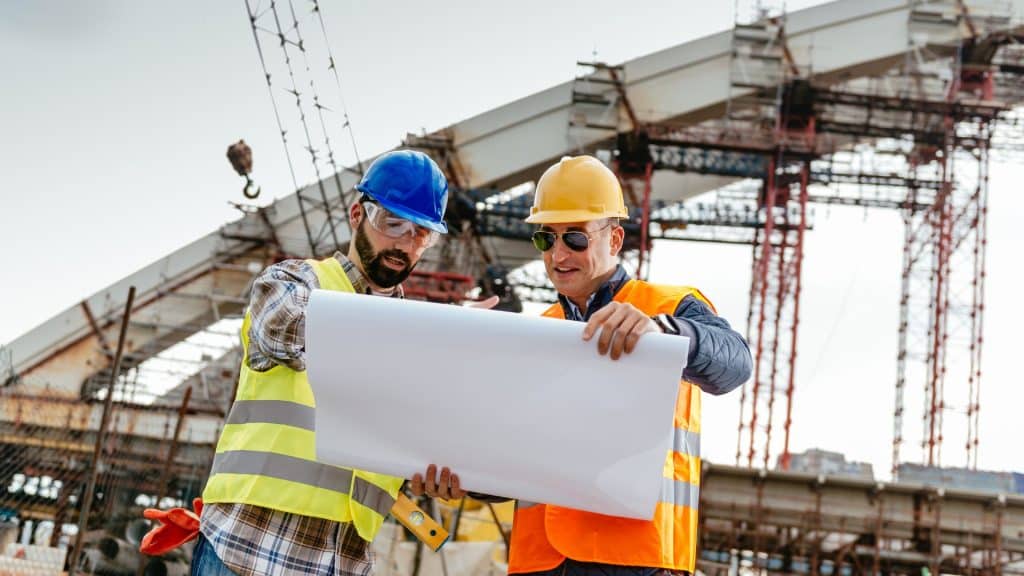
x=410 y=185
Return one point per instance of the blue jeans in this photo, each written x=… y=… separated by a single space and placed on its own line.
x=205 y=561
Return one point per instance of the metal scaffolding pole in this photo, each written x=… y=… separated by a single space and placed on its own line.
x=83 y=516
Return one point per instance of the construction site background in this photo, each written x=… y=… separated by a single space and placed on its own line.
x=903 y=111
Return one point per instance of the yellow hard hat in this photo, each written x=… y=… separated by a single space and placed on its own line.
x=577 y=189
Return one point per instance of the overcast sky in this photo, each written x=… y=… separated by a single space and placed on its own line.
x=114 y=118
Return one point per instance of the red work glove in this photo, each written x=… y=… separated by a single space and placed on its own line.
x=176 y=527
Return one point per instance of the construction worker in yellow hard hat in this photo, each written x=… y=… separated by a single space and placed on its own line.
x=578 y=207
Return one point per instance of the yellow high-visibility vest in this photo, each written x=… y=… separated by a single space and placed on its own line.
x=266 y=455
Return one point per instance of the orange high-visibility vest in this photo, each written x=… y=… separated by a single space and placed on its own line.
x=543 y=535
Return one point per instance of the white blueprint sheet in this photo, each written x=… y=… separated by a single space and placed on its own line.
x=517 y=406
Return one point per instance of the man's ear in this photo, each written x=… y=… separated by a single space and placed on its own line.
x=618 y=236
x=355 y=214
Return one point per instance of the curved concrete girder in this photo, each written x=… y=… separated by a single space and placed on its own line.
x=685 y=83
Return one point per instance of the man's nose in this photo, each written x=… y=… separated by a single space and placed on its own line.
x=560 y=252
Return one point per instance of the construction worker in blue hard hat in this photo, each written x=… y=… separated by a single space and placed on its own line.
x=269 y=507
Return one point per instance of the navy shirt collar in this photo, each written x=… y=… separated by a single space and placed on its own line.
x=604 y=294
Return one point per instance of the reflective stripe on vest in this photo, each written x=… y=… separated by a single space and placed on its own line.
x=273 y=412
x=679 y=493
x=266 y=454
x=284 y=467
x=686 y=442
x=543 y=536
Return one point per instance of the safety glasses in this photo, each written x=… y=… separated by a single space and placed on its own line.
x=575 y=240
x=394 y=227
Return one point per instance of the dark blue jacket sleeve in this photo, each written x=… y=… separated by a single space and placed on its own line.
x=719 y=358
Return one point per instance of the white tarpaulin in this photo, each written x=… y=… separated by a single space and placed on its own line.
x=517 y=406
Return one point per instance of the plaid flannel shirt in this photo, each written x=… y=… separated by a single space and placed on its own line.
x=252 y=540
x=277 y=309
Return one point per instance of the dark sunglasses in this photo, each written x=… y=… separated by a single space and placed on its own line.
x=575 y=240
